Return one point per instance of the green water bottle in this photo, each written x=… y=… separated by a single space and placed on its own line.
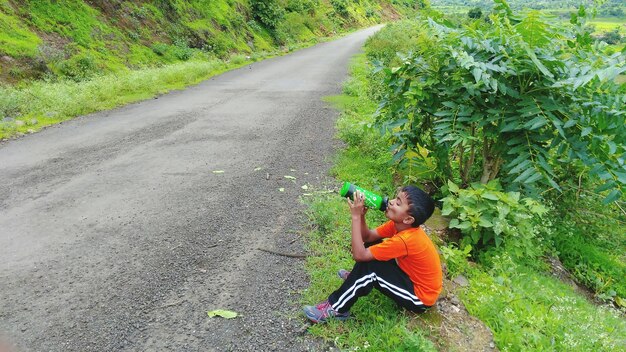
x=372 y=200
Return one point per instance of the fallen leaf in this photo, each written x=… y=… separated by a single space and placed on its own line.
x=305 y=187
x=258 y=168
x=281 y=189
x=307 y=194
x=218 y=171
x=222 y=313
x=290 y=177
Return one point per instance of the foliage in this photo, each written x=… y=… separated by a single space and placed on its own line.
x=456 y=259
x=475 y=13
x=267 y=12
x=16 y=39
x=45 y=103
x=132 y=34
x=591 y=242
x=612 y=37
x=341 y=7
x=526 y=309
x=78 y=68
x=487 y=216
x=514 y=99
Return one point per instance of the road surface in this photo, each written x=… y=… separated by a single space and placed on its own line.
x=120 y=230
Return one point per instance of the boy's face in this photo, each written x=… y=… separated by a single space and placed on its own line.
x=398 y=209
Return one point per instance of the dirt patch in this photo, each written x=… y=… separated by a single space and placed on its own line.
x=389 y=13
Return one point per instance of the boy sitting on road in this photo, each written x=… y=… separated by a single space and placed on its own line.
x=405 y=266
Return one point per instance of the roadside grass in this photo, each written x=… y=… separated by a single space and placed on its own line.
x=522 y=303
x=607 y=24
x=532 y=311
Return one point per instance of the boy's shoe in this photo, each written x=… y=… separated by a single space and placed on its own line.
x=343 y=274
x=322 y=312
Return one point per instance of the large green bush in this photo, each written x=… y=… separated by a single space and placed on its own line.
x=515 y=99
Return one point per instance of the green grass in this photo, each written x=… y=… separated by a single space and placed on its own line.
x=607 y=24
x=591 y=242
x=531 y=311
x=31 y=107
x=16 y=39
x=97 y=57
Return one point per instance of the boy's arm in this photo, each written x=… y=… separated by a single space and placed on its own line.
x=357 y=209
x=367 y=234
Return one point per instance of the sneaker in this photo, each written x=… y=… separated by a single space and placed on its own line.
x=343 y=274
x=322 y=312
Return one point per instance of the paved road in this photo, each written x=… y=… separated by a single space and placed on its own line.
x=117 y=234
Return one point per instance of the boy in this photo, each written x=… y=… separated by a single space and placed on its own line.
x=404 y=267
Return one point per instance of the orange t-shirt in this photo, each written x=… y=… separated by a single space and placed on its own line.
x=416 y=255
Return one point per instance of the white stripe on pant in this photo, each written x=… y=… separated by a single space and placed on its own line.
x=386 y=276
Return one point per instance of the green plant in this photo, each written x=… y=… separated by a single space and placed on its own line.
x=267 y=12
x=528 y=310
x=488 y=216
x=78 y=68
x=475 y=13
x=181 y=50
x=159 y=48
x=456 y=259
x=341 y=7
x=514 y=99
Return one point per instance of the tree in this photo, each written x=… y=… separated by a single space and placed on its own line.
x=517 y=100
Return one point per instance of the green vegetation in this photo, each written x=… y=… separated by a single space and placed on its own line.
x=504 y=238
x=59 y=59
x=532 y=311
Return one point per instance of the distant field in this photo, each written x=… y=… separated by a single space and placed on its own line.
x=608 y=24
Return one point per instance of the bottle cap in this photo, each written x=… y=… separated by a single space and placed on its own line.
x=344 y=189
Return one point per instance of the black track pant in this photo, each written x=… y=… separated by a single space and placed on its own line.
x=387 y=277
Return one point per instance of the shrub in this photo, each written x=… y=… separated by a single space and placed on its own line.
x=267 y=12
x=516 y=99
x=488 y=216
x=159 y=48
x=78 y=68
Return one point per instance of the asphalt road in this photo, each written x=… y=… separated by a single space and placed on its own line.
x=116 y=233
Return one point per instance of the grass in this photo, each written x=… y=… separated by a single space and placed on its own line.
x=532 y=311
x=607 y=24
x=591 y=242
x=101 y=57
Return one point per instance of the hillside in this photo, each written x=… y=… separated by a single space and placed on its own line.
x=46 y=39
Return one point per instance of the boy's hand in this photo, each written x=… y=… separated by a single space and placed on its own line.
x=357 y=208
